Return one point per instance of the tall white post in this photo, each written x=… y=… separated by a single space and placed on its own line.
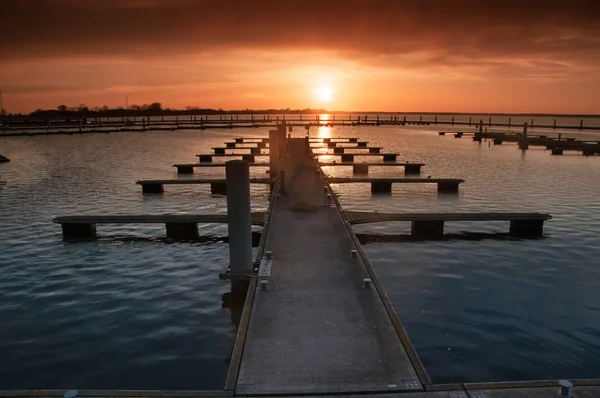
x=237 y=176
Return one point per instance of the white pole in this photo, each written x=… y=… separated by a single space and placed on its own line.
x=237 y=176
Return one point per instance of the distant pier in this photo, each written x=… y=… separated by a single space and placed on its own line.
x=31 y=126
x=557 y=145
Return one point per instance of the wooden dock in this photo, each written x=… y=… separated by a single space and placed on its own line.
x=188 y=168
x=31 y=126
x=318 y=329
x=218 y=186
x=556 y=144
x=431 y=225
x=363 y=168
x=384 y=185
x=316 y=320
x=179 y=226
x=208 y=157
x=349 y=157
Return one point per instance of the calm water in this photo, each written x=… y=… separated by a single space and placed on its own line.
x=134 y=311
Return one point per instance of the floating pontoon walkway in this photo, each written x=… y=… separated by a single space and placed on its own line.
x=179 y=226
x=349 y=157
x=409 y=168
x=318 y=329
x=431 y=225
x=217 y=185
x=249 y=157
x=384 y=185
x=188 y=168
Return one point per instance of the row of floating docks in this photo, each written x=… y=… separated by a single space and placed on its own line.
x=424 y=225
x=184 y=227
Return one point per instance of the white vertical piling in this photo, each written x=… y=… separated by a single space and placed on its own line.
x=237 y=176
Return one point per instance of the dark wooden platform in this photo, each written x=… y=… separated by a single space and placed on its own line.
x=343 y=149
x=188 y=168
x=254 y=150
x=384 y=185
x=179 y=226
x=217 y=185
x=349 y=157
x=249 y=157
x=431 y=225
x=363 y=168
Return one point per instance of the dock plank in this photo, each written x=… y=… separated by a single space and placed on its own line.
x=216 y=165
x=399 y=180
x=187 y=181
x=328 y=164
x=318 y=330
x=256 y=217
x=354 y=153
x=232 y=154
x=362 y=217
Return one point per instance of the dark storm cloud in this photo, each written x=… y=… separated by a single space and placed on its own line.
x=370 y=31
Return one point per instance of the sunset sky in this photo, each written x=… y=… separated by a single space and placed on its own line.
x=428 y=55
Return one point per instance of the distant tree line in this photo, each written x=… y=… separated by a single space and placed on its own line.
x=153 y=109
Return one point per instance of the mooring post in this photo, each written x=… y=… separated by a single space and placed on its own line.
x=469 y=120
x=480 y=126
x=581 y=124
x=435 y=120
x=453 y=120
x=273 y=153
x=237 y=177
x=555 y=124
x=490 y=122
x=524 y=144
x=509 y=121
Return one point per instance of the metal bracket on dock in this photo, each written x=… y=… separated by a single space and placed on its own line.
x=411 y=384
x=264 y=270
x=478 y=394
x=226 y=274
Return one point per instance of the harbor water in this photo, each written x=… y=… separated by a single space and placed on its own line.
x=135 y=311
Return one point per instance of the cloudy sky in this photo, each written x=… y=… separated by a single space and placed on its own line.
x=393 y=55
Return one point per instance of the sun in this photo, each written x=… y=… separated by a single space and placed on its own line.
x=324 y=93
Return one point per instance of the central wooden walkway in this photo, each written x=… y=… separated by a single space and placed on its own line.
x=318 y=329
